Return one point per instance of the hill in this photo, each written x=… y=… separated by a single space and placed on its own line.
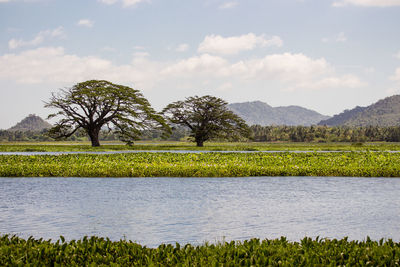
x=31 y=123
x=261 y=113
x=342 y=118
x=385 y=112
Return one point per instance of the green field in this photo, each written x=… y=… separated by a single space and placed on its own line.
x=96 y=251
x=209 y=146
x=232 y=164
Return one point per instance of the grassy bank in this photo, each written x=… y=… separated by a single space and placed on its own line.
x=16 y=251
x=363 y=164
x=209 y=146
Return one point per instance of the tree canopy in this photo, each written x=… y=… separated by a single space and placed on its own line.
x=207 y=117
x=95 y=104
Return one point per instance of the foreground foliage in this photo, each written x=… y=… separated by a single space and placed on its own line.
x=147 y=164
x=15 y=251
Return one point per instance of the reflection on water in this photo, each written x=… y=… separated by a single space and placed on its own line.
x=167 y=210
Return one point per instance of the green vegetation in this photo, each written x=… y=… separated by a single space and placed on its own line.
x=323 y=134
x=385 y=112
x=209 y=146
x=313 y=134
x=143 y=164
x=93 y=105
x=208 y=118
x=15 y=251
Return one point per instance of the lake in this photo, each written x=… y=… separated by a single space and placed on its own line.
x=152 y=211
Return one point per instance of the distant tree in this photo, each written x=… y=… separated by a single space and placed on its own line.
x=93 y=105
x=207 y=117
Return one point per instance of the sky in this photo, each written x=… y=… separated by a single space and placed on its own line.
x=325 y=55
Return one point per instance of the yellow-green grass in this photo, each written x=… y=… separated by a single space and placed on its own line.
x=143 y=164
x=95 y=251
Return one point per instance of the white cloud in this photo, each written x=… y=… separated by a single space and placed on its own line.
x=197 y=66
x=108 y=2
x=339 y=38
x=27 y=1
x=216 y=44
x=86 y=23
x=369 y=70
x=396 y=76
x=125 y=3
x=393 y=91
x=292 y=71
x=295 y=71
x=367 y=3
x=182 y=48
x=38 y=39
x=139 y=47
x=140 y=54
x=325 y=40
x=53 y=65
x=108 y=49
x=228 y=5
x=397 y=55
x=224 y=87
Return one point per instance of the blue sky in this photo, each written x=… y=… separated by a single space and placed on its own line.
x=327 y=55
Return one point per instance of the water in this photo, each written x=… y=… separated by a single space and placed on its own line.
x=152 y=211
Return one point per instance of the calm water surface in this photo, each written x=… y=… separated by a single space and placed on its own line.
x=167 y=210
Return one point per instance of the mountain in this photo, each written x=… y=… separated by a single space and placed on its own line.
x=385 y=112
x=261 y=113
x=31 y=123
x=340 y=119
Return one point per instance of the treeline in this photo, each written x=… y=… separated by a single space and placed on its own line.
x=325 y=133
x=259 y=134
x=178 y=134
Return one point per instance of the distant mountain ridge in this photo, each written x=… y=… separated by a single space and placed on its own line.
x=385 y=112
x=342 y=118
x=261 y=113
x=31 y=123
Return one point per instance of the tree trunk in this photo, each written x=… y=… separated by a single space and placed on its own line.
x=199 y=142
x=94 y=137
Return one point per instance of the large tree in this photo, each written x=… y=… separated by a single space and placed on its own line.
x=95 y=104
x=207 y=117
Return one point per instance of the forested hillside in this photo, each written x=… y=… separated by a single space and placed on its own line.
x=260 y=113
x=385 y=112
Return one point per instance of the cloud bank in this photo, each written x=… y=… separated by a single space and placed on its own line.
x=216 y=44
x=367 y=3
x=125 y=3
x=38 y=39
x=54 y=65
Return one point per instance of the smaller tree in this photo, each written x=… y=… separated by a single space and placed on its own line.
x=207 y=117
x=94 y=104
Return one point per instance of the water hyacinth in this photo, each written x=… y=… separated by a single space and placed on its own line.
x=357 y=164
x=15 y=251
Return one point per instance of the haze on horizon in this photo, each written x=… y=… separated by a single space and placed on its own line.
x=323 y=55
